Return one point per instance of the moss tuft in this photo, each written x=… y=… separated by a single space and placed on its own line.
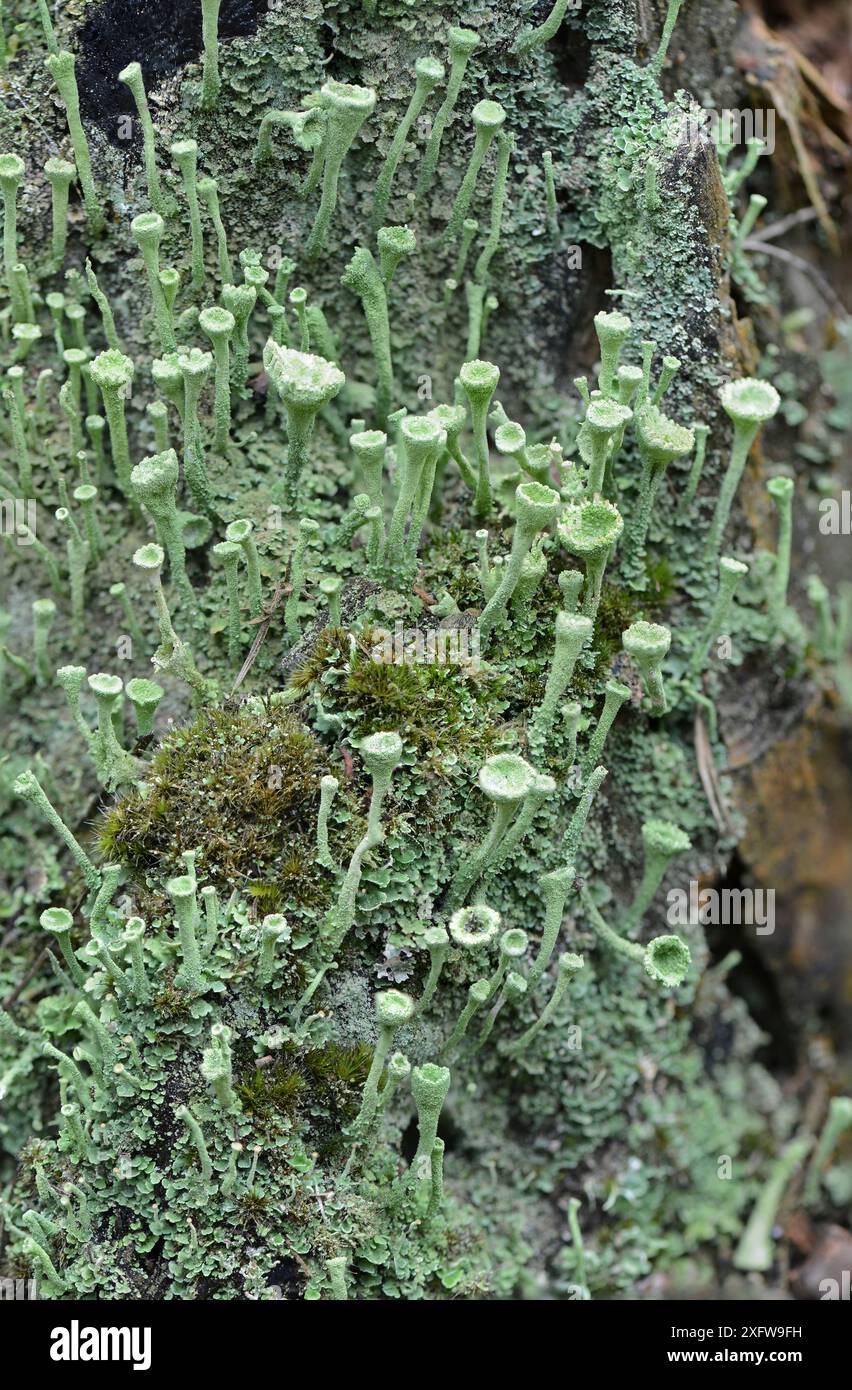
x=242 y=787
x=315 y=1090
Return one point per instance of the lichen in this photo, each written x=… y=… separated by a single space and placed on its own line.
x=336 y=893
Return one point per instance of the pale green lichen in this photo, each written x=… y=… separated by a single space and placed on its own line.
x=749 y=404
x=253 y=1015
x=305 y=384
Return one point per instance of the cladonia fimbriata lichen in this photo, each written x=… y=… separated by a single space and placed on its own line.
x=386 y=683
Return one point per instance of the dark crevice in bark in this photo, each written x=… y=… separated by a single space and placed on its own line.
x=753 y=981
x=160 y=37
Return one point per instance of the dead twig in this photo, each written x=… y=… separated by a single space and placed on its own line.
x=785 y=224
x=301 y=1263
x=789 y=258
x=707 y=772
x=282 y=589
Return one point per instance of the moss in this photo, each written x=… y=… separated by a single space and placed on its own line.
x=241 y=786
x=317 y=1090
x=172 y=1003
x=272 y=1092
x=449 y=562
x=325 y=651
x=430 y=703
x=252 y=1208
x=660 y=584
x=435 y=706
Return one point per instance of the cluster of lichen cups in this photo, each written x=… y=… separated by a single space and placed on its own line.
x=515 y=790
x=554 y=506
x=118 y=972
x=307 y=382
x=588 y=526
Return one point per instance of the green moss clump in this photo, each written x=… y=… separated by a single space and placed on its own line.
x=242 y=787
x=435 y=706
x=316 y=1090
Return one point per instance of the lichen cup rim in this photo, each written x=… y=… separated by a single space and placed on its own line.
x=194 y=361
x=506 y=777
x=301 y=378
x=488 y=114
x=383 y=745
x=429 y=67
x=368 y=439
x=749 y=400
x=664 y=837
x=156 y=468
x=650 y=641
x=514 y=943
x=450 y=417
x=112 y=369
x=590 y=527
x=145 y=222
x=420 y=429
x=433 y=1074
x=239 y=530
x=397 y=237
x=179 y=148
x=462 y=39
x=628 y=371
x=149 y=557
x=215 y=318
x=348 y=97
x=510 y=438
x=140 y=690
x=60 y=168
x=659 y=435
x=667 y=960
x=181 y=886
x=469 y=937
x=781 y=488
x=612 y=320
x=11 y=166
x=102 y=683
x=479 y=375
x=536 y=503
x=56 y=919
x=573 y=627
x=394 y=1008
x=607 y=416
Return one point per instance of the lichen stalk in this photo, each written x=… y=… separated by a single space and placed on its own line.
x=132 y=78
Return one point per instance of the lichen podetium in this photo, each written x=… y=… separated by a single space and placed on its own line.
x=414 y=641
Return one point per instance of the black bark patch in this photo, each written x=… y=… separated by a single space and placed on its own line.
x=160 y=36
x=572 y=52
x=289 y=1278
